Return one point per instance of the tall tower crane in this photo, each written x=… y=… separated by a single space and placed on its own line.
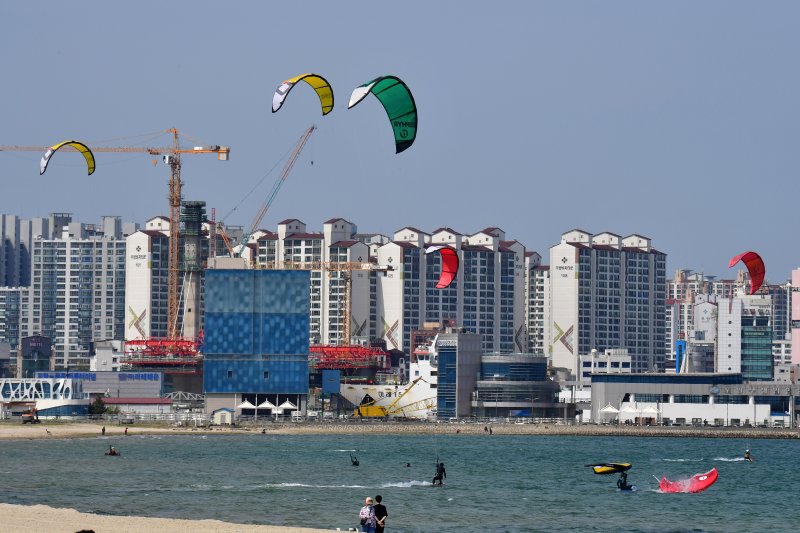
x=287 y=169
x=172 y=157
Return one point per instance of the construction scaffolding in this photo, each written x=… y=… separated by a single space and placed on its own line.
x=347 y=357
x=173 y=356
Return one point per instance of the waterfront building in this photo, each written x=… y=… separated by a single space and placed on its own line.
x=607 y=292
x=53 y=397
x=745 y=336
x=459 y=359
x=718 y=399
x=78 y=289
x=108 y=384
x=515 y=386
x=256 y=339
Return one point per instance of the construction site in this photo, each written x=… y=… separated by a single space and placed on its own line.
x=166 y=268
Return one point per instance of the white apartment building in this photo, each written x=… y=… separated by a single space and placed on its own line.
x=77 y=291
x=538 y=304
x=146 y=267
x=487 y=297
x=607 y=292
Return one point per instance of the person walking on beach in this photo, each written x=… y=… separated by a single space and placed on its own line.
x=126 y=432
x=367 y=517
x=380 y=514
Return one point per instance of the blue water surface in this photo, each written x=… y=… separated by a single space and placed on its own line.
x=494 y=483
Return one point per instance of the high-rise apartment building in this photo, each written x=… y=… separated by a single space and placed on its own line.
x=487 y=297
x=12 y=300
x=538 y=302
x=607 y=292
x=795 y=316
x=78 y=289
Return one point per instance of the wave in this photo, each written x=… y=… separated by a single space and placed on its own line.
x=345 y=450
x=683 y=460
x=406 y=484
x=729 y=459
x=305 y=485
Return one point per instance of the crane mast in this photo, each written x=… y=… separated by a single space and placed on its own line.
x=173 y=274
x=172 y=157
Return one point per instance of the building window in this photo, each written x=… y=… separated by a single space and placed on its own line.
x=266 y=375
x=230 y=374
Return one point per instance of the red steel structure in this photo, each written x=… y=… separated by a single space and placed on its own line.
x=347 y=357
x=172 y=356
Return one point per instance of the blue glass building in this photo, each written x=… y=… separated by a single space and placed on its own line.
x=256 y=336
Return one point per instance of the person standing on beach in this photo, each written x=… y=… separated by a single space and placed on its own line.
x=103 y=431
x=380 y=514
x=126 y=432
x=367 y=517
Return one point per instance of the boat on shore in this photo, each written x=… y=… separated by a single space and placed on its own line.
x=415 y=398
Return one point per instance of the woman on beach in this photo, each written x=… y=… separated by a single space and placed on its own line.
x=367 y=517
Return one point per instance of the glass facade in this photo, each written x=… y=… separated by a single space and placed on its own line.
x=513 y=371
x=446 y=395
x=256 y=337
x=411 y=293
x=757 y=361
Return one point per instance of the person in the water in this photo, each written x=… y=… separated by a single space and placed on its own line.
x=440 y=474
x=747 y=456
x=622 y=482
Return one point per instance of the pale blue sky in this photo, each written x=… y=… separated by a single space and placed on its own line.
x=676 y=120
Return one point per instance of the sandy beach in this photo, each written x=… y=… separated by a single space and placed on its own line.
x=61 y=430
x=38 y=518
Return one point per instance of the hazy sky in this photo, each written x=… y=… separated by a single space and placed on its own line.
x=676 y=120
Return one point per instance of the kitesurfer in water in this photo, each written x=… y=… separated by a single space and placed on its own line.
x=440 y=474
x=353 y=460
x=622 y=482
x=747 y=456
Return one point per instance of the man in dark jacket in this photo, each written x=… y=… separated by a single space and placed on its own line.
x=380 y=514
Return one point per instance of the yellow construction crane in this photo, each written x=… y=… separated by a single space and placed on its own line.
x=345 y=268
x=172 y=157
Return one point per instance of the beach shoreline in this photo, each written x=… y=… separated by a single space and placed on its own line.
x=37 y=518
x=60 y=430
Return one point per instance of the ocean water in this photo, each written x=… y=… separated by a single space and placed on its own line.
x=495 y=483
